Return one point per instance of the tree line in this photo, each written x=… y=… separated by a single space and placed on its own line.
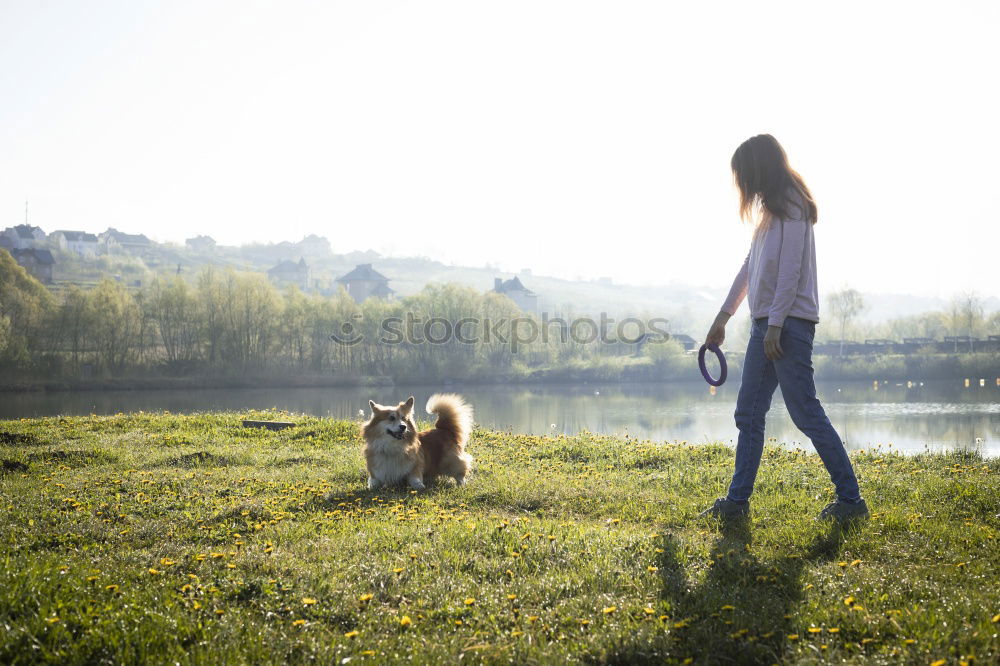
x=229 y=323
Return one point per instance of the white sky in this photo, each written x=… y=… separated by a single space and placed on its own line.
x=575 y=138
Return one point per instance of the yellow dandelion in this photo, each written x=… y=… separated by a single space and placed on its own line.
x=996 y=618
x=308 y=601
x=398 y=570
x=405 y=621
x=793 y=637
x=154 y=572
x=511 y=597
x=366 y=597
x=219 y=611
x=652 y=569
x=855 y=563
x=609 y=610
x=166 y=561
x=848 y=601
x=728 y=607
x=298 y=623
x=351 y=634
x=458 y=623
x=584 y=623
x=908 y=641
x=815 y=630
x=52 y=620
x=515 y=634
x=939 y=662
x=368 y=653
x=111 y=588
x=469 y=601
x=91 y=579
x=648 y=611
x=834 y=630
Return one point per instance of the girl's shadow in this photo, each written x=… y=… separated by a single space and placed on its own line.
x=739 y=611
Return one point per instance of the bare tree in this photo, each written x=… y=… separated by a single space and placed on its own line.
x=845 y=305
x=966 y=315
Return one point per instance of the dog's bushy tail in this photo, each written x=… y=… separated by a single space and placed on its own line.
x=454 y=415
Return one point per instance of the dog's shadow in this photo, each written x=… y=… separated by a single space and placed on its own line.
x=740 y=611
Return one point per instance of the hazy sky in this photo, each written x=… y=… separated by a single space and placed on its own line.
x=576 y=138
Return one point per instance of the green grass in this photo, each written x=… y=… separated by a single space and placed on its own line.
x=163 y=538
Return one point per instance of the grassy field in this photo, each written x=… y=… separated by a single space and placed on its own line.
x=162 y=538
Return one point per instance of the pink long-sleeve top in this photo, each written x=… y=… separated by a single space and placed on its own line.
x=779 y=273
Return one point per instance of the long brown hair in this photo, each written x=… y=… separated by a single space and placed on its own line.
x=761 y=170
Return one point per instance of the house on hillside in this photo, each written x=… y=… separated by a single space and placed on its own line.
x=200 y=244
x=314 y=246
x=365 y=282
x=113 y=241
x=685 y=341
x=80 y=242
x=513 y=289
x=290 y=272
x=22 y=237
x=38 y=263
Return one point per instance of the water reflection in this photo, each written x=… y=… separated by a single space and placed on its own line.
x=932 y=416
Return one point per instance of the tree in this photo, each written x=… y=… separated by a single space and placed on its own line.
x=173 y=305
x=24 y=306
x=115 y=322
x=966 y=314
x=845 y=305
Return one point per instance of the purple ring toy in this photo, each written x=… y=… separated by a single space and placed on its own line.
x=722 y=364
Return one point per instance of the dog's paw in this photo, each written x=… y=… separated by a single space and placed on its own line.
x=372 y=483
x=416 y=484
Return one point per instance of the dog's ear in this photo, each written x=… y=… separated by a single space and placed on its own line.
x=374 y=406
x=408 y=405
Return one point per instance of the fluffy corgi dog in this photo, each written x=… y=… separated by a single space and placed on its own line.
x=396 y=452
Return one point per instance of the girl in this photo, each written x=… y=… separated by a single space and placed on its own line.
x=779 y=276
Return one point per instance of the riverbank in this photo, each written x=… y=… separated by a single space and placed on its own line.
x=156 y=537
x=626 y=370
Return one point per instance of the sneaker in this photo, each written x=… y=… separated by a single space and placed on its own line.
x=726 y=508
x=844 y=511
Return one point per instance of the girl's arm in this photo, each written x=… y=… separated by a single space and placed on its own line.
x=717 y=333
x=793 y=245
x=739 y=289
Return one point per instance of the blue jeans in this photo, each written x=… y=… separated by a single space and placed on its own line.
x=794 y=373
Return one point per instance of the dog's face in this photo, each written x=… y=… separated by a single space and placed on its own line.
x=397 y=422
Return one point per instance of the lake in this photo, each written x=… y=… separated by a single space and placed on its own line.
x=929 y=416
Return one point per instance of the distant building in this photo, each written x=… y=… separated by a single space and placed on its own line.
x=314 y=246
x=290 y=272
x=685 y=340
x=365 y=282
x=200 y=244
x=80 y=242
x=22 y=237
x=117 y=241
x=523 y=297
x=38 y=263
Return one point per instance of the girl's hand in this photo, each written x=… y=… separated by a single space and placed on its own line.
x=717 y=333
x=772 y=343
